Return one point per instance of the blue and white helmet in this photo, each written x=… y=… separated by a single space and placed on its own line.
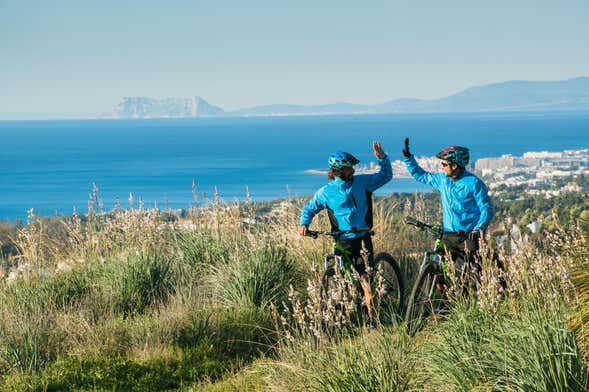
x=341 y=159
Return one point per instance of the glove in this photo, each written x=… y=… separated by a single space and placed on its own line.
x=406 y=151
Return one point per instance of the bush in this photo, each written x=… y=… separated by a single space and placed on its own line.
x=200 y=250
x=134 y=284
x=241 y=332
x=257 y=277
x=579 y=253
x=28 y=307
x=527 y=350
x=381 y=361
x=119 y=373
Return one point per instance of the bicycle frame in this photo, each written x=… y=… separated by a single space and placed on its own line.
x=384 y=265
x=429 y=291
x=437 y=255
x=342 y=260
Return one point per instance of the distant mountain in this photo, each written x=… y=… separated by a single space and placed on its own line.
x=143 y=107
x=572 y=94
x=284 y=109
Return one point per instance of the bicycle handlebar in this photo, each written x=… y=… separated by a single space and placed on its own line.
x=437 y=230
x=337 y=234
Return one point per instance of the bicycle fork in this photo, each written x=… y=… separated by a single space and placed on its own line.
x=432 y=258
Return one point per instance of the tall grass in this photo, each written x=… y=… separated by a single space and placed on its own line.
x=129 y=291
x=528 y=350
x=578 y=251
x=382 y=360
x=133 y=299
x=495 y=340
x=136 y=282
x=29 y=338
x=255 y=278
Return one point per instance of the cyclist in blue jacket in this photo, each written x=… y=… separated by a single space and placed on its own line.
x=466 y=205
x=348 y=200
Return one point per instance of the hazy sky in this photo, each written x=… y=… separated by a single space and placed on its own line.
x=82 y=56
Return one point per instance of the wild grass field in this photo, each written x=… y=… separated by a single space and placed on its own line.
x=219 y=300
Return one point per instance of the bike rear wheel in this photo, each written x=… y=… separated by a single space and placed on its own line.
x=422 y=302
x=388 y=289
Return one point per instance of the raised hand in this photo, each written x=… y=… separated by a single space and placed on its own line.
x=406 y=151
x=378 y=151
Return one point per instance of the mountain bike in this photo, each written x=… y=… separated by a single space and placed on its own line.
x=385 y=291
x=429 y=294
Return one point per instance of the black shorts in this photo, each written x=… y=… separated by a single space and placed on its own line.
x=462 y=250
x=358 y=247
x=459 y=243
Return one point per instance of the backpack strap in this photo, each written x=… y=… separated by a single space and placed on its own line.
x=369 y=218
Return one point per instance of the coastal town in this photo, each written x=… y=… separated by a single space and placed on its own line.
x=536 y=173
x=547 y=173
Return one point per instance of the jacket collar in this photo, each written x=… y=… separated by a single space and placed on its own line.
x=339 y=182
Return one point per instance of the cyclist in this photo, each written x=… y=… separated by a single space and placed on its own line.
x=348 y=200
x=466 y=206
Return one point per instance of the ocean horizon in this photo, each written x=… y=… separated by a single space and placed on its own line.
x=51 y=166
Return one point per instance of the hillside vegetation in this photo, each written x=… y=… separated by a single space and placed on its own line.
x=219 y=300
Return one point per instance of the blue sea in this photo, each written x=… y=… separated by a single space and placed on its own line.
x=51 y=165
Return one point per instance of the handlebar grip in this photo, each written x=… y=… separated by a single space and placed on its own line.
x=312 y=234
x=412 y=221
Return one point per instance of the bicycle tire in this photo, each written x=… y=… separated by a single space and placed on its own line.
x=331 y=289
x=389 y=288
x=325 y=282
x=419 y=305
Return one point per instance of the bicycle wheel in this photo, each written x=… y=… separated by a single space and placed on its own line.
x=388 y=289
x=340 y=290
x=327 y=278
x=420 y=304
x=332 y=281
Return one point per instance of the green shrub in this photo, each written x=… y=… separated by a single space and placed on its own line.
x=526 y=350
x=240 y=333
x=28 y=307
x=580 y=272
x=243 y=332
x=256 y=277
x=28 y=342
x=380 y=361
x=119 y=373
x=66 y=289
x=246 y=381
x=61 y=290
x=132 y=285
x=201 y=248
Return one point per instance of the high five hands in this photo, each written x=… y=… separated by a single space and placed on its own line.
x=378 y=151
x=406 y=152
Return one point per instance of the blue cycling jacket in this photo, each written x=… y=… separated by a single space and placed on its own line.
x=348 y=203
x=465 y=201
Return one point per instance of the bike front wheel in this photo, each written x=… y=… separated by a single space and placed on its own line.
x=388 y=289
x=422 y=302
